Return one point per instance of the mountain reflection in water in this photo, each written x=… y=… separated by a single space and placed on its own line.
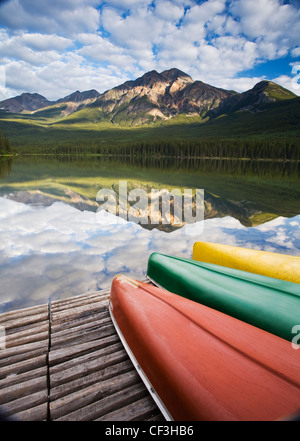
x=53 y=252
x=251 y=191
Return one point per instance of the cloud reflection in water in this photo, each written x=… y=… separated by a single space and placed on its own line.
x=58 y=251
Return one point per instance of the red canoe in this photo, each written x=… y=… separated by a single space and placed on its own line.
x=202 y=363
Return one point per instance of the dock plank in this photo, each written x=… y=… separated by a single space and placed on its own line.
x=139 y=410
x=105 y=405
x=65 y=361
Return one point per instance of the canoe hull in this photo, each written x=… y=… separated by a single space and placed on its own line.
x=269 y=264
x=203 y=364
x=265 y=302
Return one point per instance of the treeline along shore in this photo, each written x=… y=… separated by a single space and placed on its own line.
x=5 y=146
x=282 y=149
x=279 y=148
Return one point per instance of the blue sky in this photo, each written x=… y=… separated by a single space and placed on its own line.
x=57 y=47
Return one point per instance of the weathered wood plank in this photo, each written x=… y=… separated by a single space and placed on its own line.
x=107 y=404
x=23 y=366
x=27 y=330
x=80 y=300
x=90 y=356
x=95 y=377
x=24 y=389
x=104 y=331
x=24 y=340
x=156 y=417
x=27 y=320
x=27 y=402
x=91 y=394
x=83 y=296
x=23 y=313
x=14 y=380
x=23 y=352
x=37 y=413
x=139 y=410
x=78 y=330
x=64 y=354
x=65 y=361
x=75 y=312
x=78 y=369
x=80 y=320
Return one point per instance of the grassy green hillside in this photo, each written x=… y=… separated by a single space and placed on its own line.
x=47 y=129
x=278 y=92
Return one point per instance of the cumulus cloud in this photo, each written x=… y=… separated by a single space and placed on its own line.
x=214 y=41
x=62 y=17
x=58 y=251
x=49 y=79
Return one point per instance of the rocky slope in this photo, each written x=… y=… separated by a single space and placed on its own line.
x=253 y=100
x=26 y=101
x=157 y=96
x=31 y=102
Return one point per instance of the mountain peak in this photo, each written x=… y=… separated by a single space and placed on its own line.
x=25 y=101
x=150 y=77
x=262 y=85
x=273 y=91
x=78 y=97
x=256 y=99
x=174 y=74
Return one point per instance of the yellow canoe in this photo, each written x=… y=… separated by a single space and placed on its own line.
x=279 y=266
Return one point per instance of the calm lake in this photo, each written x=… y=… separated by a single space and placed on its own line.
x=56 y=243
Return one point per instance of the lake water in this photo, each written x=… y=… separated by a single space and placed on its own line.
x=55 y=243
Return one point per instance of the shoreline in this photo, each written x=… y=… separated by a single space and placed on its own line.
x=219 y=158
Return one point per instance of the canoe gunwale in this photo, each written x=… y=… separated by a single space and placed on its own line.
x=155 y=283
x=139 y=370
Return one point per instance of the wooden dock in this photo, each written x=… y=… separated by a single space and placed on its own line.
x=65 y=361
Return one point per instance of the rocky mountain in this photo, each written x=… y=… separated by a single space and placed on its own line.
x=159 y=95
x=253 y=100
x=155 y=96
x=26 y=101
x=79 y=97
x=31 y=102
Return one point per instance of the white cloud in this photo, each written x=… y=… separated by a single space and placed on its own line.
x=65 y=17
x=296 y=52
x=168 y=11
x=204 y=12
x=213 y=41
x=128 y=4
x=140 y=28
x=102 y=50
x=238 y=84
x=269 y=22
x=58 y=251
x=290 y=83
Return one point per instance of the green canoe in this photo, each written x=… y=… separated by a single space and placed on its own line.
x=265 y=302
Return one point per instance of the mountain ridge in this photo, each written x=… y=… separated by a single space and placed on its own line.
x=155 y=96
x=32 y=102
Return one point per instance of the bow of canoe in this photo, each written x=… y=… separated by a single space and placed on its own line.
x=280 y=266
x=203 y=364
